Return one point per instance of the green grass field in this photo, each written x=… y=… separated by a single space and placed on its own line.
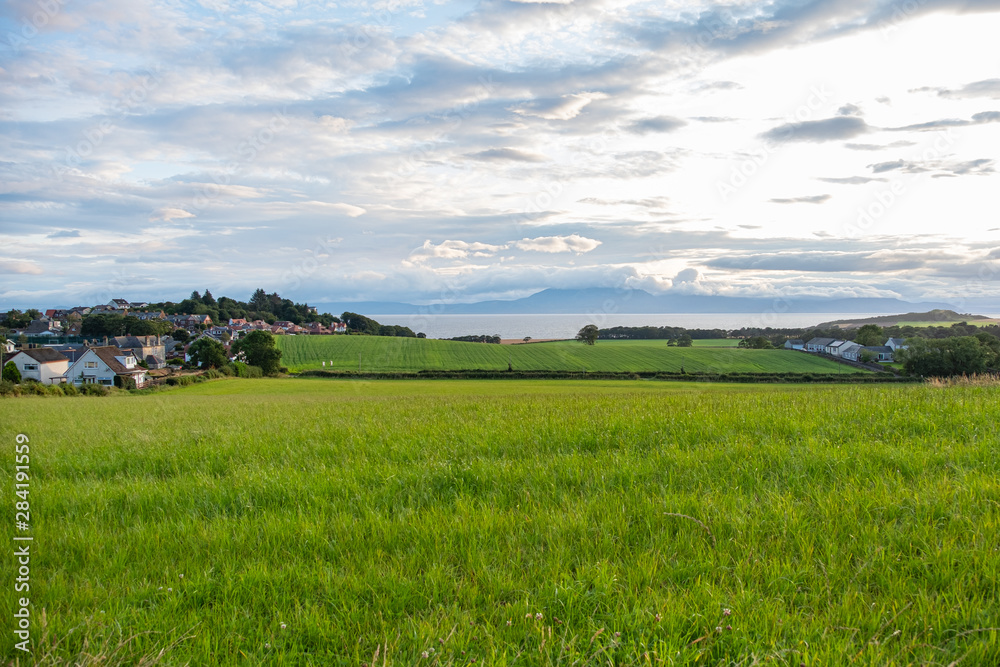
x=318 y=522
x=373 y=353
x=716 y=342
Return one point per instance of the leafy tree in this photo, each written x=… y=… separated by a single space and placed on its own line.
x=258 y=301
x=258 y=349
x=870 y=335
x=944 y=357
x=685 y=341
x=180 y=335
x=195 y=296
x=208 y=299
x=588 y=334
x=11 y=374
x=17 y=320
x=208 y=353
x=756 y=343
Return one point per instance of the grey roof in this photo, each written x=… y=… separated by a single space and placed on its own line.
x=44 y=355
x=896 y=341
x=795 y=341
x=879 y=348
x=821 y=341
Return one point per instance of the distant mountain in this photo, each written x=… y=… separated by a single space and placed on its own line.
x=609 y=300
x=941 y=317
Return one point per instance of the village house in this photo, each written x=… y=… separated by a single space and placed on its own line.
x=102 y=365
x=795 y=344
x=9 y=347
x=118 y=304
x=42 y=364
x=151 y=315
x=147 y=348
x=897 y=344
x=818 y=344
x=882 y=353
x=43 y=327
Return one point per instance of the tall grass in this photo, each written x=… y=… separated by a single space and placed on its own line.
x=294 y=522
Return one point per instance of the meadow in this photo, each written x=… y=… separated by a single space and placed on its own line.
x=376 y=353
x=318 y=522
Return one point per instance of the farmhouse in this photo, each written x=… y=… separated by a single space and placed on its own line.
x=850 y=350
x=42 y=364
x=102 y=365
x=881 y=352
x=818 y=344
x=795 y=344
x=897 y=344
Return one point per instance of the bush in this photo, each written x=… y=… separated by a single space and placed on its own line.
x=94 y=390
x=247 y=371
x=8 y=388
x=10 y=373
x=69 y=389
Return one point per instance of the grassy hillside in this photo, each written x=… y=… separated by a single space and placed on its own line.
x=374 y=353
x=294 y=522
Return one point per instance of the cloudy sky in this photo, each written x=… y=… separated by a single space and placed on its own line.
x=424 y=151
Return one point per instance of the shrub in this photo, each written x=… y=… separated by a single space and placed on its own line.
x=8 y=388
x=94 y=390
x=11 y=374
x=69 y=389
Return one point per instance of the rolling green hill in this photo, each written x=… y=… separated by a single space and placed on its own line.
x=373 y=353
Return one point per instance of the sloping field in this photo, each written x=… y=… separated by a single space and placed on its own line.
x=374 y=353
x=299 y=522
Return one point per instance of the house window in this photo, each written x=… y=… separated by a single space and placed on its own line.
x=107 y=382
x=90 y=364
x=31 y=367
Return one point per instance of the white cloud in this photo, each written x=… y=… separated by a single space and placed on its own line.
x=169 y=214
x=553 y=244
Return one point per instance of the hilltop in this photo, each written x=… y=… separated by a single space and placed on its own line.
x=937 y=316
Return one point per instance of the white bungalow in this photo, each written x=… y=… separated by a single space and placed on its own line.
x=818 y=344
x=896 y=344
x=100 y=365
x=795 y=344
x=42 y=364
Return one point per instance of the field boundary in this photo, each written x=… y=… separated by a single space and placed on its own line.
x=477 y=374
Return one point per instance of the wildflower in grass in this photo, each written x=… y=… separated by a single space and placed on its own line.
x=657 y=618
x=727 y=612
x=283 y=626
x=182 y=576
x=718 y=629
x=729 y=627
x=170 y=590
x=538 y=616
x=528 y=615
x=618 y=634
x=508 y=622
x=267 y=645
x=425 y=654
